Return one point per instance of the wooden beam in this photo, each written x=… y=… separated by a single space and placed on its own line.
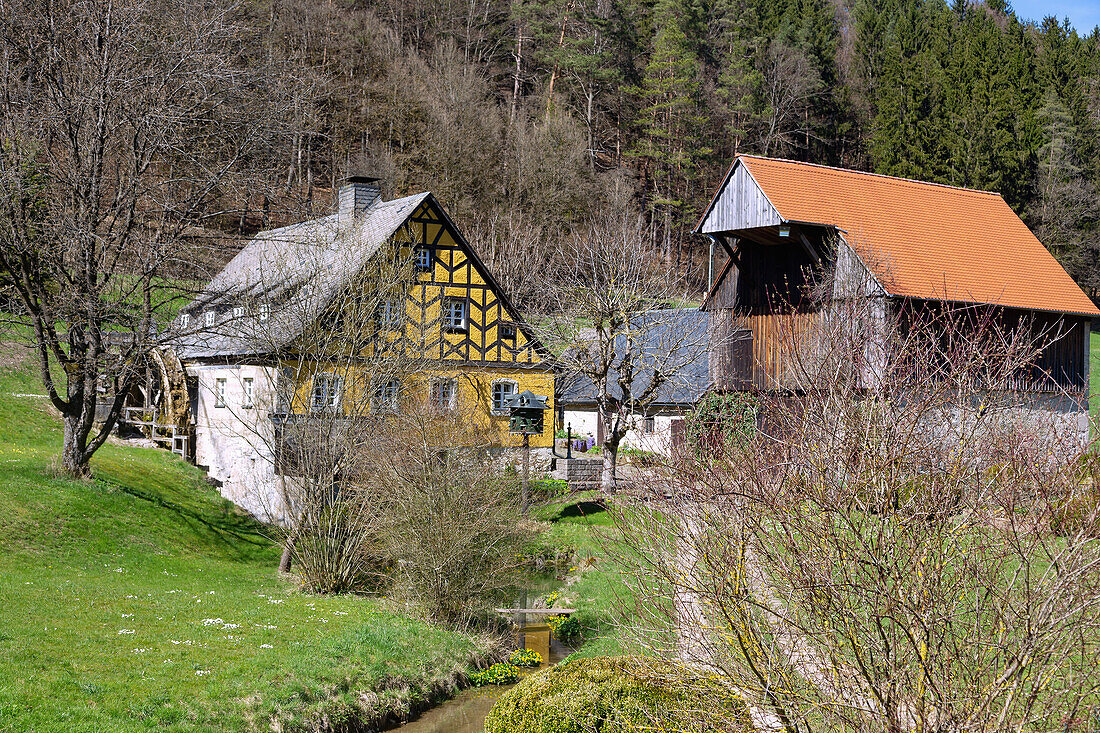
x=538 y=611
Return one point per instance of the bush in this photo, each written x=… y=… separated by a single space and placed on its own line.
x=1078 y=514
x=501 y=673
x=566 y=628
x=641 y=457
x=525 y=658
x=722 y=421
x=616 y=695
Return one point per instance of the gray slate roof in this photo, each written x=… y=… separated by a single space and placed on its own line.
x=674 y=340
x=297 y=270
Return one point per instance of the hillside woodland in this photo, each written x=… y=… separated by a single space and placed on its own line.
x=527 y=116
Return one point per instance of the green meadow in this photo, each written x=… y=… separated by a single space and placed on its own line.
x=141 y=599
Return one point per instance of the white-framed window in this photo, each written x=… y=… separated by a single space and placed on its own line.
x=246 y=389
x=443 y=394
x=219 y=392
x=238 y=311
x=208 y=317
x=389 y=315
x=422 y=257
x=185 y=320
x=386 y=395
x=454 y=314
x=265 y=311
x=503 y=392
x=326 y=392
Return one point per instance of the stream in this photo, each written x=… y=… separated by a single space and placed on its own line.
x=466 y=712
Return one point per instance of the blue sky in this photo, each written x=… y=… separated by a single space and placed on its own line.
x=1083 y=14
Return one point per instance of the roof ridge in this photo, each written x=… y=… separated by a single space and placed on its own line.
x=332 y=215
x=901 y=179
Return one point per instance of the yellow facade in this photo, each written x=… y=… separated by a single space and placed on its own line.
x=493 y=346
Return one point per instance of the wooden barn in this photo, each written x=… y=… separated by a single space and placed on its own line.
x=794 y=242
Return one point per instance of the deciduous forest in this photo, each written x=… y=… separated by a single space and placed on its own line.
x=525 y=117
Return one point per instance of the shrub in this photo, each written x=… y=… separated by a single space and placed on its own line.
x=566 y=628
x=525 y=658
x=641 y=457
x=1078 y=514
x=616 y=695
x=501 y=673
x=722 y=421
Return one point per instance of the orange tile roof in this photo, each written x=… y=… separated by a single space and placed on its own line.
x=925 y=240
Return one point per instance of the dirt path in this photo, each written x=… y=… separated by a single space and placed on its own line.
x=698 y=645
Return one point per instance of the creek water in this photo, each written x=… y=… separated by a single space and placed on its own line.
x=466 y=712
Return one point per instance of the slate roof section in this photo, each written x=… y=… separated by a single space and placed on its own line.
x=923 y=240
x=297 y=270
x=676 y=341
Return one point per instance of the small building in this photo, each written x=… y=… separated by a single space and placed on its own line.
x=676 y=341
x=254 y=370
x=800 y=240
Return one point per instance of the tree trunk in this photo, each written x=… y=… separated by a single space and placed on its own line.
x=74 y=448
x=610 y=452
x=288 y=553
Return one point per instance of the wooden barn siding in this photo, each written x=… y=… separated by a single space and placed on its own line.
x=740 y=205
x=763 y=350
x=759 y=350
x=1058 y=367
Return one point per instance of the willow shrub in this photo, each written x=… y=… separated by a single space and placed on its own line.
x=616 y=695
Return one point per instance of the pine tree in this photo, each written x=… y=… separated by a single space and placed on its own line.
x=669 y=121
x=738 y=49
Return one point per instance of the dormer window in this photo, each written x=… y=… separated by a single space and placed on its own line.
x=454 y=314
x=208 y=317
x=422 y=257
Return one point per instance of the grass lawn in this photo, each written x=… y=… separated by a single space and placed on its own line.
x=587 y=528
x=142 y=600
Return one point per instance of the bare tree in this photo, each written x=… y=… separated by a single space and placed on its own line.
x=790 y=83
x=325 y=327
x=620 y=330
x=880 y=554
x=450 y=516
x=122 y=126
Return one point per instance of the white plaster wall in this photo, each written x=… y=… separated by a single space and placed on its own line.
x=659 y=441
x=235 y=441
x=583 y=422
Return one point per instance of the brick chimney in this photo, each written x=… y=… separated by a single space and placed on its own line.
x=357 y=195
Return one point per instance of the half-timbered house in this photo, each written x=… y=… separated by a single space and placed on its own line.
x=458 y=342
x=794 y=240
